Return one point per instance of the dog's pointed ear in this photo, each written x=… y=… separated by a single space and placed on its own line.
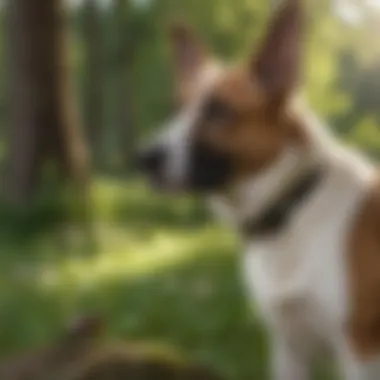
x=277 y=66
x=189 y=52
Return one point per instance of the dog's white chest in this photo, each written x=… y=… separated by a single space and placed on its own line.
x=298 y=278
x=298 y=282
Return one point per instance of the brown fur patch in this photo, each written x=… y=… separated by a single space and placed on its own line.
x=251 y=123
x=252 y=130
x=364 y=271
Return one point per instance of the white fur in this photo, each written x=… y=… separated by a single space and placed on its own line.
x=177 y=132
x=298 y=278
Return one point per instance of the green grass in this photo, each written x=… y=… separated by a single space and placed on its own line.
x=161 y=272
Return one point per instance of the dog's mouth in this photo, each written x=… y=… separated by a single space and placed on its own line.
x=209 y=169
x=205 y=171
x=151 y=162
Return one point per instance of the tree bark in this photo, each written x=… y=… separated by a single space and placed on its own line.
x=43 y=120
x=93 y=76
x=125 y=55
x=126 y=121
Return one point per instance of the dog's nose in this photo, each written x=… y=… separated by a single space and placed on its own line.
x=151 y=160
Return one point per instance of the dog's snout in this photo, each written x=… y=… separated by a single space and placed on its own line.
x=152 y=159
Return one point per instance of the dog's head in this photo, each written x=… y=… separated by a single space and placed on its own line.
x=232 y=121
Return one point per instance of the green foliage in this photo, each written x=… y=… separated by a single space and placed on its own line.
x=341 y=93
x=161 y=274
x=341 y=71
x=159 y=270
x=156 y=276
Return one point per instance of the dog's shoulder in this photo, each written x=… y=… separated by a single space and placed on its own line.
x=364 y=274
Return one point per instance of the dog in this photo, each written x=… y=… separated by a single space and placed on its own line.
x=82 y=354
x=306 y=207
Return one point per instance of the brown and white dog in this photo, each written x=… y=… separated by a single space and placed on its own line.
x=307 y=208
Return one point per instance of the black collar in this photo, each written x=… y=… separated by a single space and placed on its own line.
x=274 y=218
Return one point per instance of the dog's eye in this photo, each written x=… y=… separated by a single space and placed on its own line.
x=216 y=111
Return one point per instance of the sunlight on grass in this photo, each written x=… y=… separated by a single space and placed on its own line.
x=121 y=255
x=161 y=272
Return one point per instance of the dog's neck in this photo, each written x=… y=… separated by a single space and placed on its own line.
x=250 y=199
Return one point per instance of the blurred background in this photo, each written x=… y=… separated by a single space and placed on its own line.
x=81 y=82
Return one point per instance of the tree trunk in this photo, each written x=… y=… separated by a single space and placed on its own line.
x=126 y=122
x=125 y=58
x=43 y=119
x=93 y=76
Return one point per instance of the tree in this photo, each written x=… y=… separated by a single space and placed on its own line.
x=124 y=54
x=93 y=73
x=43 y=120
